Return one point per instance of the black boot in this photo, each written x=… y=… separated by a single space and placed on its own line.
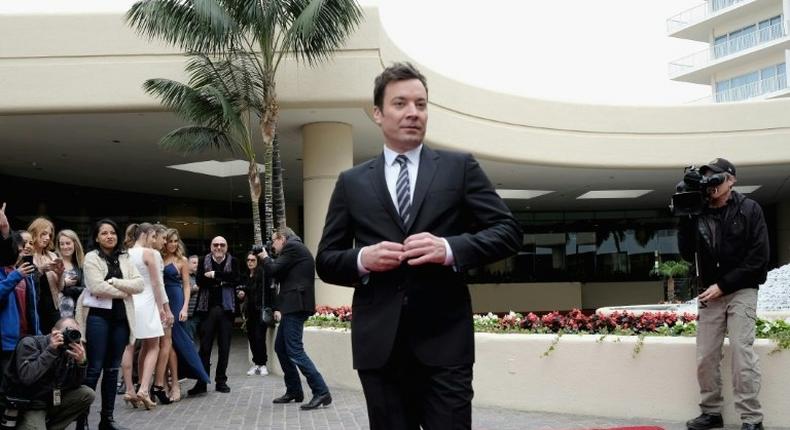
x=705 y=422
x=108 y=423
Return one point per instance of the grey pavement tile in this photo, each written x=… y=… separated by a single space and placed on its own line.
x=248 y=406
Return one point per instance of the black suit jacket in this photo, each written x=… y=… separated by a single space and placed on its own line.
x=453 y=199
x=294 y=269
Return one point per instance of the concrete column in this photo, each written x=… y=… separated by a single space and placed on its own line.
x=783 y=233
x=328 y=149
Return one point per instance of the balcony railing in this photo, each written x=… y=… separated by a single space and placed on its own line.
x=748 y=91
x=698 y=13
x=730 y=47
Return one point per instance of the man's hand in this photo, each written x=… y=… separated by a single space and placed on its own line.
x=210 y=275
x=713 y=292
x=277 y=316
x=55 y=340
x=424 y=248
x=77 y=352
x=5 y=227
x=382 y=256
x=263 y=254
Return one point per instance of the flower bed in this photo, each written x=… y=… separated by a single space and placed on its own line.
x=577 y=322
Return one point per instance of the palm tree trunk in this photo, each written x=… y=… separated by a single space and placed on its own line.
x=254 y=178
x=268 y=129
x=278 y=188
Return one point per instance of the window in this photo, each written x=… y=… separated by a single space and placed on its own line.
x=763 y=81
x=747 y=37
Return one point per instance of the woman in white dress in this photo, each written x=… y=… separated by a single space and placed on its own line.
x=150 y=308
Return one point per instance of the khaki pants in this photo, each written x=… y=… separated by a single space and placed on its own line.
x=734 y=314
x=73 y=404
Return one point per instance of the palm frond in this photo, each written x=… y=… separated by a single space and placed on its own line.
x=187 y=102
x=194 y=138
x=235 y=74
x=197 y=25
x=319 y=27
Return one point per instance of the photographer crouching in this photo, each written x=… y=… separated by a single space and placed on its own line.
x=729 y=236
x=43 y=387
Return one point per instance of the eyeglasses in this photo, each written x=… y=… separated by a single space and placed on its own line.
x=219 y=245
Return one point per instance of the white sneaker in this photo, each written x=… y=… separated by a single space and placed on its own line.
x=263 y=370
x=254 y=370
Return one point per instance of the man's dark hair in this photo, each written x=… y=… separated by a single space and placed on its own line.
x=16 y=242
x=395 y=72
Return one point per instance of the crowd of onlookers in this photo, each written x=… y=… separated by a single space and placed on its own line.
x=132 y=298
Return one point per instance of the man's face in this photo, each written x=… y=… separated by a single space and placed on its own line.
x=403 y=116
x=277 y=243
x=219 y=247
x=193 y=263
x=716 y=193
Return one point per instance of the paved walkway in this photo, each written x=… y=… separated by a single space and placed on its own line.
x=249 y=406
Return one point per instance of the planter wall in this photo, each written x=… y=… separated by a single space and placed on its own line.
x=583 y=375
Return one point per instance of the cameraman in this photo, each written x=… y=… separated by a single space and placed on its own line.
x=46 y=373
x=732 y=241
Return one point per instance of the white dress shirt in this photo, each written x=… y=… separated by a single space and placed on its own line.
x=391 y=172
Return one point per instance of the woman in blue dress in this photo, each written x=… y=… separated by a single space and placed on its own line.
x=184 y=361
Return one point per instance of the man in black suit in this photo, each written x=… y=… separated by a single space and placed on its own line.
x=412 y=334
x=294 y=269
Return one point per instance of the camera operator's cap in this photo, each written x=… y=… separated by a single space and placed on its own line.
x=718 y=165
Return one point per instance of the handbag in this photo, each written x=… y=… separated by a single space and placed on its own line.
x=267 y=316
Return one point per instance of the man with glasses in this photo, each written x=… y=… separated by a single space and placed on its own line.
x=217 y=277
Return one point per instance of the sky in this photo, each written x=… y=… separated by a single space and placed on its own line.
x=582 y=51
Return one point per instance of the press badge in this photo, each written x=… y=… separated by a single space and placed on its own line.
x=56 y=397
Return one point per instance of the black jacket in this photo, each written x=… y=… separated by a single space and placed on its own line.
x=294 y=269
x=258 y=290
x=737 y=255
x=35 y=370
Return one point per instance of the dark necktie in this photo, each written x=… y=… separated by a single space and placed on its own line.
x=403 y=191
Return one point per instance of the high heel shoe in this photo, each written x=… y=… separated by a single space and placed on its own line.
x=160 y=395
x=175 y=392
x=148 y=404
x=131 y=399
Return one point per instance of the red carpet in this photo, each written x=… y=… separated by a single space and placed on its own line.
x=631 y=428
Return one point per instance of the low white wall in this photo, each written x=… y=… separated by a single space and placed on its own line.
x=583 y=375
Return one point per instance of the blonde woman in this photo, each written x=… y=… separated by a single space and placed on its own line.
x=70 y=251
x=183 y=356
x=106 y=311
x=50 y=267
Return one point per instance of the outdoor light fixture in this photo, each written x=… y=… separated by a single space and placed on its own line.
x=614 y=194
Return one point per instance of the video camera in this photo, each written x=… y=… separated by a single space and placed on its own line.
x=691 y=194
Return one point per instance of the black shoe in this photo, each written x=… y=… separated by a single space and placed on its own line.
x=121 y=388
x=108 y=423
x=198 y=389
x=705 y=422
x=288 y=397
x=748 y=426
x=316 y=401
x=222 y=387
x=159 y=394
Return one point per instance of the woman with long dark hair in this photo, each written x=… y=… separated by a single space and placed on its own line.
x=106 y=311
x=257 y=293
x=18 y=316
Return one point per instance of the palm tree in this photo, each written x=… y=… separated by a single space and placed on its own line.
x=268 y=30
x=217 y=101
x=670 y=270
